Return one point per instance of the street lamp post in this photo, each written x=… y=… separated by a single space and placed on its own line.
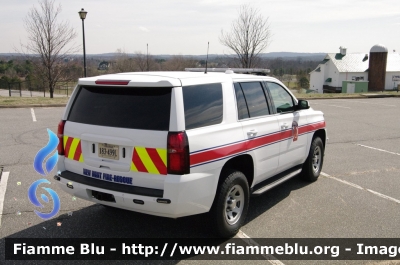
x=82 y=15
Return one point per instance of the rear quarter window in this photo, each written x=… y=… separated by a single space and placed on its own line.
x=124 y=107
x=203 y=105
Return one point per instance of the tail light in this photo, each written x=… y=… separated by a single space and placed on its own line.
x=60 y=135
x=178 y=153
x=112 y=82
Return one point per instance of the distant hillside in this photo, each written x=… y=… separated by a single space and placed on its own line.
x=106 y=56
x=291 y=54
x=295 y=55
x=270 y=55
x=9 y=54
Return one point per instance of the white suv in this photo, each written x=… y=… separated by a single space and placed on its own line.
x=175 y=144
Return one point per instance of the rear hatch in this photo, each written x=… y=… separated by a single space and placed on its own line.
x=119 y=134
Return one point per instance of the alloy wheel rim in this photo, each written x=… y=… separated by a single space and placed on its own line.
x=316 y=159
x=234 y=204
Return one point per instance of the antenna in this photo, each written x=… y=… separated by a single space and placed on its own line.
x=208 y=46
x=147 y=57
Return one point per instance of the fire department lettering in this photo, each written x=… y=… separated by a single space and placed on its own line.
x=107 y=177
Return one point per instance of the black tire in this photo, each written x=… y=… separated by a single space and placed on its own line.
x=313 y=165
x=229 y=215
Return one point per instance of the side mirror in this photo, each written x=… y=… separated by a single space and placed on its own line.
x=303 y=104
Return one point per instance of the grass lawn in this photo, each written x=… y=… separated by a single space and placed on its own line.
x=18 y=101
x=343 y=95
x=15 y=101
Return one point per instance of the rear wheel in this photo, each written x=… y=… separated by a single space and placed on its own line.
x=313 y=165
x=232 y=201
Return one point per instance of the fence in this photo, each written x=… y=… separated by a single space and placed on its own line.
x=33 y=88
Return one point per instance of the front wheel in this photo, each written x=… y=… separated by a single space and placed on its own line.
x=231 y=204
x=313 y=165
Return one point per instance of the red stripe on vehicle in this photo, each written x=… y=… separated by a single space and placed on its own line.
x=286 y=134
x=157 y=161
x=217 y=153
x=311 y=127
x=68 y=146
x=233 y=149
x=267 y=139
x=78 y=151
x=138 y=162
x=224 y=151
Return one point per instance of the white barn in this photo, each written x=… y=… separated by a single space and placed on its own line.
x=339 y=68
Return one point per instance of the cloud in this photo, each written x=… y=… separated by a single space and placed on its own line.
x=143 y=29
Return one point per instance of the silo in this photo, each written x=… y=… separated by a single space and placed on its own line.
x=377 y=67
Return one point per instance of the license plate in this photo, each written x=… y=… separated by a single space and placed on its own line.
x=109 y=151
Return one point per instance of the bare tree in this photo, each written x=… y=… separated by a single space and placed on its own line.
x=145 y=62
x=49 y=41
x=250 y=34
x=179 y=63
x=133 y=63
x=124 y=62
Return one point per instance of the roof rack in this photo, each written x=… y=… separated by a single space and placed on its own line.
x=257 y=71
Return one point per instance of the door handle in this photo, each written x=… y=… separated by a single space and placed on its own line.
x=284 y=126
x=252 y=133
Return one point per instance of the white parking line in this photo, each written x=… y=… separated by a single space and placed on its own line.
x=312 y=103
x=377 y=149
x=33 y=114
x=361 y=188
x=251 y=242
x=383 y=196
x=343 y=181
x=3 y=187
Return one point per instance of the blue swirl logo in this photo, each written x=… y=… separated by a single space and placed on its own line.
x=34 y=200
x=44 y=152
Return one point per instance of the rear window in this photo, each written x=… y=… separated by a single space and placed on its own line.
x=203 y=105
x=132 y=108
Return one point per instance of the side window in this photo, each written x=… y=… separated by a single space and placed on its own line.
x=203 y=105
x=282 y=100
x=243 y=112
x=255 y=99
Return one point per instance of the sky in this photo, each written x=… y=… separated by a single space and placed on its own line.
x=184 y=27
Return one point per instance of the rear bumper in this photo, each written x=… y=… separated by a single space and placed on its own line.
x=110 y=185
x=188 y=194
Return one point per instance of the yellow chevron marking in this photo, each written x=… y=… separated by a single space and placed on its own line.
x=81 y=157
x=146 y=160
x=163 y=155
x=72 y=150
x=133 y=167
x=65 y=139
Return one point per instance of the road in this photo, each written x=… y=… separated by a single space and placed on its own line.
x=357 y=196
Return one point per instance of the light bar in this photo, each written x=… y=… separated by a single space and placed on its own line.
x=112 y=82
x=236 y=70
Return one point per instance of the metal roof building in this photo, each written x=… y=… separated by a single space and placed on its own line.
x=337 y=68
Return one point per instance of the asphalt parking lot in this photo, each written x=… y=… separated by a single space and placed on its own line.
x=357 y=196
